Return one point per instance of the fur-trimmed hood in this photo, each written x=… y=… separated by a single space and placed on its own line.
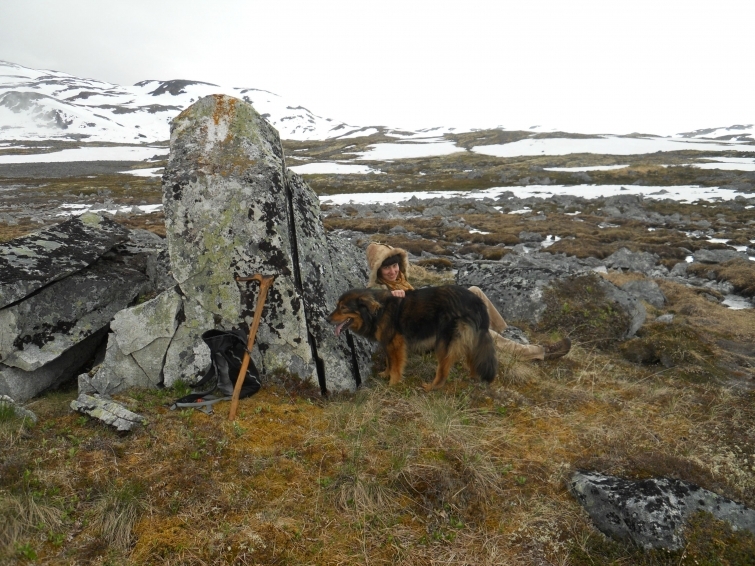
x=378 y=253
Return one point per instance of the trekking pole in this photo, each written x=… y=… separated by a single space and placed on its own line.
x=265 y=282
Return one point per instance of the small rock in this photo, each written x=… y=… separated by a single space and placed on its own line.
x=108 y=411
x=20 y=411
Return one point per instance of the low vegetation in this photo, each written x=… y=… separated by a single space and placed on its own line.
x=474 y=474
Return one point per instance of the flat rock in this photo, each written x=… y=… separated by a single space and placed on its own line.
x=718 y=256
x=22 y=385
x=31 y=262
x=37 y=330
x=651 y=513
x=108 y=411
x=646 y=290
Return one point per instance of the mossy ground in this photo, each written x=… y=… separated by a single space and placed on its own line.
x=473 y=474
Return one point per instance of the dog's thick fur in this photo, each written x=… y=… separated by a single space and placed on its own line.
x=450 y=320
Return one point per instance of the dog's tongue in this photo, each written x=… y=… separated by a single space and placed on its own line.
x=339 y=327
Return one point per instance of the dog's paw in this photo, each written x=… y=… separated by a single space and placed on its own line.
x=383 y=374
x=428 y=387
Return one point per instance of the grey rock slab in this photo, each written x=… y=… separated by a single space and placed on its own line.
x=117 y=373
x=227 y=214
x=188 y=356
x=516 y=286
x=137 y=327
x=718 y=256
x=517 y=283
x=651 y=513
x=108 y=411
x=646 y=290
x=37 y=330
x=642 y=262
x=21 y=412
x=23 y=385
x=350 y=269
x=321 y=286
x=151 y=359
x=631 y=305
x=30 y=262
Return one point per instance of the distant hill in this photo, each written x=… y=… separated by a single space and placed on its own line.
x=38 y=105
x=42 y=104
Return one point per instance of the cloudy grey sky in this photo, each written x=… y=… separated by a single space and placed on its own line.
x=658 y=66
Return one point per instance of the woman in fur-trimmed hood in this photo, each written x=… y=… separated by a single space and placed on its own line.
x=388 y=267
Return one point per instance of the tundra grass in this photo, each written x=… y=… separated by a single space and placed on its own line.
x=473 y=474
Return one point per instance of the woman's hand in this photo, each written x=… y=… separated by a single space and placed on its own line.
x=398 y=293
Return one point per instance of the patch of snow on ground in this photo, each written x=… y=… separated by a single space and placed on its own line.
x=326 y=168
x=729 y=163
x=79 y=209
x=608 y=145
x=114 y=153
x=681 y=193
x=382 y=151
x=735 y=302
x=588 y=168
x=151 y=172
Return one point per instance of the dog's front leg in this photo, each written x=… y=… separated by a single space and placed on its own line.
x=396 y=353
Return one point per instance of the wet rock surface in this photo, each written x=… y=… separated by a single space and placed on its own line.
x=651 y=513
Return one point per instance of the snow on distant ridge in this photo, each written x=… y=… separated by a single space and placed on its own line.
x=43 y=104
x=49 y=104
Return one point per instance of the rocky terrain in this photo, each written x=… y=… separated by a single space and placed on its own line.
x=654 y=401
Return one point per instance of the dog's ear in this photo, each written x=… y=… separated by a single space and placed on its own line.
x=370 y=304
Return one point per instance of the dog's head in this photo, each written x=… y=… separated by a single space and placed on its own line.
x=356 y=309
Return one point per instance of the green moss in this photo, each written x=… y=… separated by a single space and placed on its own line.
x=578 y=307
x=675 y=346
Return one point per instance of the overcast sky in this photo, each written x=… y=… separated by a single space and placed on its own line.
x=659 y=66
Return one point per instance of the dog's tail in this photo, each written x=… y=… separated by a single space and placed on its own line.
x=483 y=357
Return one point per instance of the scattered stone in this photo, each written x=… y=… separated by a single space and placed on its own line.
x=108 y=411
x=21 y=412
x=665 y=318
x=717 y=256
x=642 y=262
x=646 y=290
x=651 y=513
x=531 y=236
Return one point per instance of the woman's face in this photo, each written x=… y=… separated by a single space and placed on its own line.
x=389 y=272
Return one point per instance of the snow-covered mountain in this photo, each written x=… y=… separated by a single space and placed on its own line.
x=41 y=105
x=38 y=105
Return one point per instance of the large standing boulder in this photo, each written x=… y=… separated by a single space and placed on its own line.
x=651 y=513
x=232 y=210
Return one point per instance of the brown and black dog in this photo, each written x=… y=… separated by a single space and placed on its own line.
x=450 y=320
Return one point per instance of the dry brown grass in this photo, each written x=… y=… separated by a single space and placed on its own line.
x=474 y=474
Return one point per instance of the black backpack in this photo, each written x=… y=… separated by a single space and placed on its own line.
x=227 y=350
